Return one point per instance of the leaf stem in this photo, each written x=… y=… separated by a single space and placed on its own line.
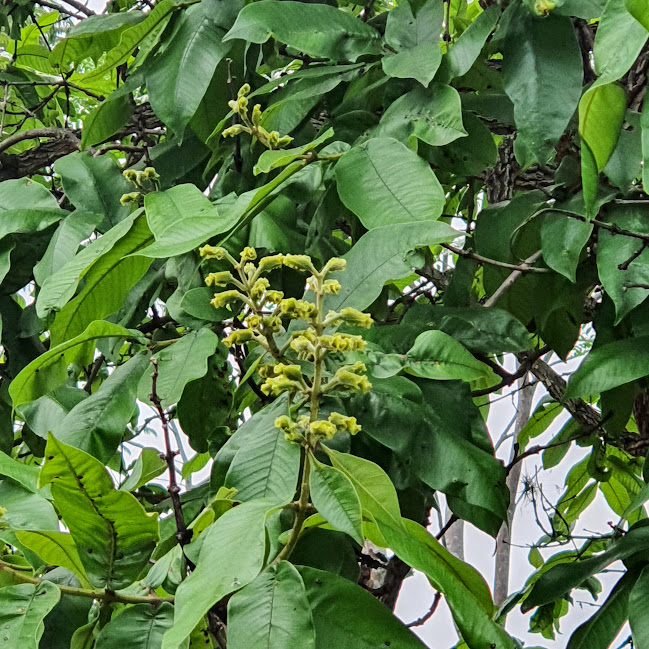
x=100 y=594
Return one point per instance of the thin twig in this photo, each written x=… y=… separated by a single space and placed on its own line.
x=87 y=592
x=524 y=268
x=429 y=613
x=94 y=371
x=452 y=519
x=79 y=6
x=183 y=535
x=512 y=277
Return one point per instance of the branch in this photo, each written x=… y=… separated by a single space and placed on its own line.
x=523 y=268
x=90 y=593
x=183 y=535
x=511 y=279
x=431 y=611
x=33 y=134
x=79 y=6
x=452 y=519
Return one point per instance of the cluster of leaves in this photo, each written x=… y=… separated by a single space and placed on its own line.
x=128 y=143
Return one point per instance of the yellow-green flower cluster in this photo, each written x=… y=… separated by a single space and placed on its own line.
x=252 y=124
x=146 y=180
x=296 y=431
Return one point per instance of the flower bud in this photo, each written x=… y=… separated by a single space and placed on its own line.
x=256 y=115
x=238 y=337
x=266 y=264
x=274 y=297
x=226 y=297
x=248 y=254
x=259 y=287
x=232 y=131
x=292 y=372
x=335 y=264
x=130 y=175
x=222 y=278
x=322 y=429
x=299 y=262
x=243 y=91
x=211 y=252
x=355 y=317
x=276 y=385
x=331 y=287
x=131 y=197
x=344 y=423
x=150 y=173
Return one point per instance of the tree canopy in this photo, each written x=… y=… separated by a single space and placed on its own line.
x=297 y=241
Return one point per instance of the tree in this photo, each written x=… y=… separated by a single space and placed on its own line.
x=302 y=238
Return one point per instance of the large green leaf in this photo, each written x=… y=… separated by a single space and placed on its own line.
x=315 y=29
x=644 y=123
x=601 y=114
x=384 y=182
x=58 y=288
x=610 y=365
x=107 y=119
x=97 y=424
x=614 y=55
x=24 y=475
x=113 y=534
x=637 y=610
x=181 y=219
x=94 y=184
x=178 y=78
x=614 y=251
x=129 y=39
x=272 y=612
x=334 y=497
x=49 y=370
x=218 y=573
x=432 y=115
x=137 y=627
x=266 y=469
x=382 y=255
x=178 y=364
x=23 y=193
x=562 y=240
x=147 y=467
x=22 y=609
x=345 y=615
x=415 y=41
x=55 y=549
x=64 y=243
x=107 y=283
x=542 y=74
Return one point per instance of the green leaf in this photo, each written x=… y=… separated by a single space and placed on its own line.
x=97 y=424
x=218 y=573
x=272 y=612
x=198 y=462
x=55 y=549
x=147 y=467
x=601 y=114
x=384 y=182
x=49 y=370
x=345 y=615
x=562 y=240
x=638 y=9
x=432 y=115
x=546 y=412
x=23 y=474
x=107 y=283
x=178 y=364
x=178 y=78
x=336 y=499
x=274 y=158
x=382 y=255
x=542 y=74
x=613 y=55
x=610 y=365
x=94 y=184
x=315 y=29
x=266 y=469
x=129 y=40
x=65 y=242
x=637 y=610
x=463 y=53
x=137 y=627
x=181 y=219
x=613 y=251
x=435 y=355
x=58 y=288
x=113 y=534
x=22 y=610
x=106 y=119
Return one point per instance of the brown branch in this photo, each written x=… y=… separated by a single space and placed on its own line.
x=183 y=535
x=431 y=611
x=59 y=8
x=523 y=268
x=514 y=275
x=452 y=519
x=79 y=6
x=94 y=371
x=33 y=134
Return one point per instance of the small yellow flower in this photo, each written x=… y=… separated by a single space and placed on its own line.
x=226 y=297
x=150 y=174
x=266 y=264
x=244 y=90
x=212 y=252
x=233 y=131
x=303 y=347
x=335 y=264
x=272 y=323
x=259 y=288
x=292 y=372
x=238 y=337
x=222 y=278
x=130 y=175
x=299 y=262
x=352 y=381
x=248 y=254
x=276 y=385
x=331 y=287
x=131 y=197
x=356 y=317
x=256 y=115
x=274 y=297
x=344 y=423
x=322 y=429
x=254 y=321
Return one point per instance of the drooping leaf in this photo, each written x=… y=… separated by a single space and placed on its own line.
x=383 y=182
x=22 y=609
x=106 y=119
x=315 y=29
x=542 y=74
x=381 y=255
x=137 y=627
x=49 y=370
x=113 y=534
x=346 y=615
x=178 y=364
x=24 y=475
x=562 y=240
x=272 y=612
x=147 y=467
x=336 y=499
x=219 y=573
x=637 y=599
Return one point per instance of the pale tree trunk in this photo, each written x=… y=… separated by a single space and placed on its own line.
x=503 y=547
